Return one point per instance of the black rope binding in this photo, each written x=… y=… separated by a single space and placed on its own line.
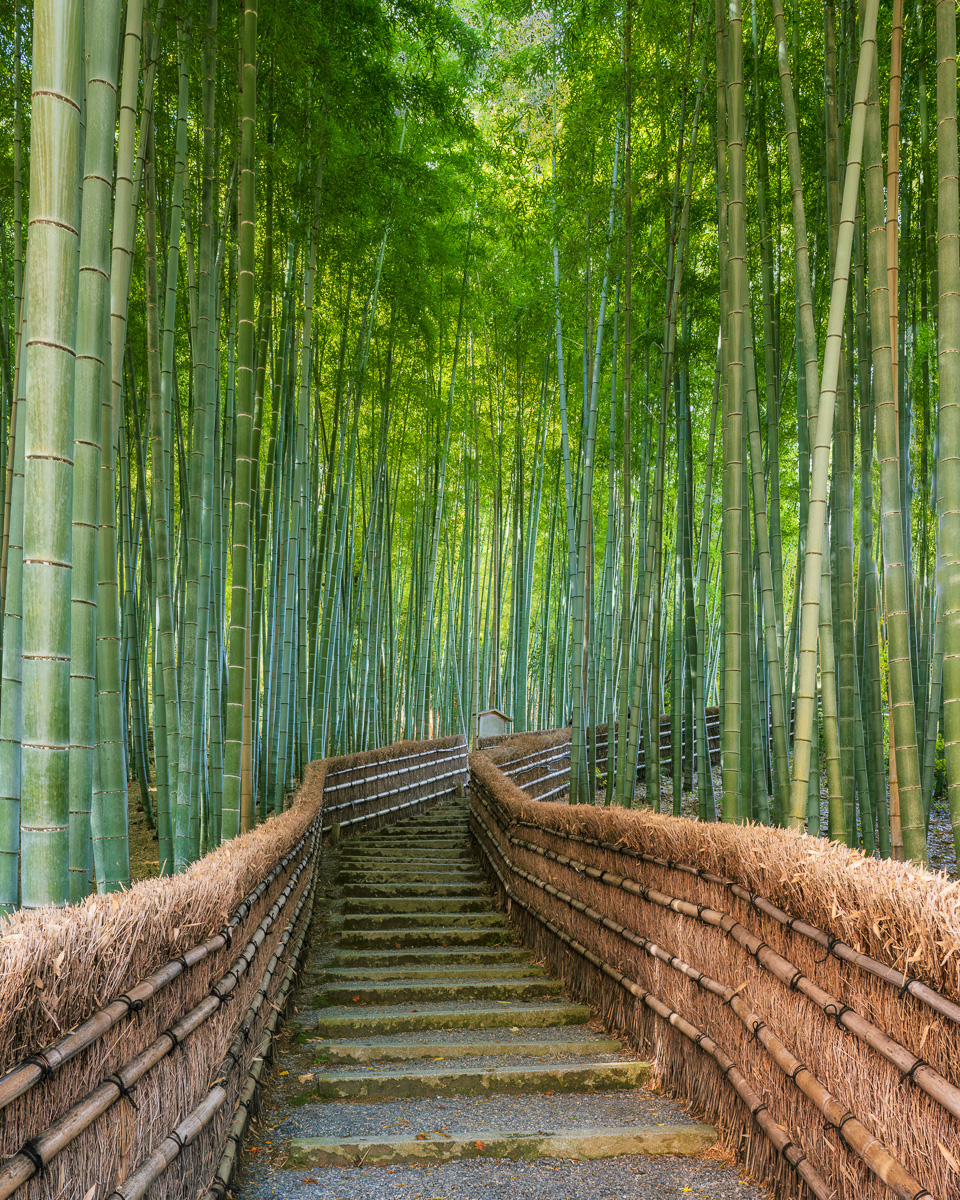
x=755 y=954
x=755 y=1036
x=38 y=1060
x=831 y=942
x=797 y=976
x=835 y=1013
x=905 y=986
x=906 y=1076
x=126 y=1093
x=178 y=1141
x=30 y=1151
x=796 y=1071
x=175 y=1043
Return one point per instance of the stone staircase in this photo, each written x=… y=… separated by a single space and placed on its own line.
x=441 y=1038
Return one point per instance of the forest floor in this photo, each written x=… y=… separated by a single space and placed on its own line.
x=144 y=852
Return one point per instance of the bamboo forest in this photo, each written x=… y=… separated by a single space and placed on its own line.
x=367 y=366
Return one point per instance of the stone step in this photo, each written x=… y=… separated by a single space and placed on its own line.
x=391 y=905
x=473 y=1081
x=594 y=1143
x=492 y=971
x=404 y=1018
x=428 y=936
x=425 y=990
x=416 y=841
x=443 y=919
x=372 y=877
x=456 y=887
x=477 y=956
x=392 y=1051
x=381 y=857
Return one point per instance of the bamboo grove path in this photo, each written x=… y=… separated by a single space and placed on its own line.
x=431 y=1056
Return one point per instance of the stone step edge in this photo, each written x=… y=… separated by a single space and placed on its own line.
x=471 y=1081
x=596 y=1143
x=526 y=1016
x=373 y=1051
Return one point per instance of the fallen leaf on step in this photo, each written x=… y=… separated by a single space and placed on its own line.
x=422 y=1137
x=304 y=1078
x=478 y=1145
x=287 y=1072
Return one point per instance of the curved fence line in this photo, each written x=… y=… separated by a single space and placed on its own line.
x=834 y=1069
x=164 y=1074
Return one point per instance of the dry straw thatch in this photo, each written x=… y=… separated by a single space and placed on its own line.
x=187 y=1056
x=896 y=913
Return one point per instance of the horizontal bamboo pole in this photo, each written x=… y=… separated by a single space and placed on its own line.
x=906 y=1062
x=38 y=1154
x=900 y=980
x=778 y=1137
x=43 y=1063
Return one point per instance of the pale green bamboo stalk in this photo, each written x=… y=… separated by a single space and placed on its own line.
x=51 y=296
x=948 y=365
x=816 y=516
x=101 y=31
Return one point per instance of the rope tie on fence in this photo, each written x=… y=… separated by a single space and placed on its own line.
x=908 y=981
x=757 y=1111
x=38 y=1060
x=831 y=943
x=227 y=934
x=796 y=1071
x=701 y=908
x=30 y=1151
x=223 y=998
x=755 y=954
x=794 y=982
x=175 y=1137
x=175 y=1043
x=755 y=1036
x=182 y=960
x=126 y=1093
x=907 y=1076
x=133 y=1006
x=835 y=1013
x=848 y=1116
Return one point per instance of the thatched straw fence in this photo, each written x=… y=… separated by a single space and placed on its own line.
x=802 y=997
x=134 y=1027
x=539 y=763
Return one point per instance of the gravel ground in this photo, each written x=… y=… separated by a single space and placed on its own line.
x=629 y=1177
x=453 y=1114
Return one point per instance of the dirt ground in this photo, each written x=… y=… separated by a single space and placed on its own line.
x=144 y=854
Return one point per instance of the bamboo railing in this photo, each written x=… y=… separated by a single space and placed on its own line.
x=159 y=1081
x=833 y=1068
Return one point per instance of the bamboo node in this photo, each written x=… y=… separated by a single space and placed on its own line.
x=30 y=1151
x=38 y=1060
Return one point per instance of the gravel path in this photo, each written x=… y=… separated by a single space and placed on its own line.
x=469 y=1114
x=629 y=1177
